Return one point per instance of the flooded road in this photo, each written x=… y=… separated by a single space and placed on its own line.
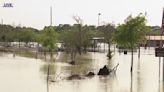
x=21 y=74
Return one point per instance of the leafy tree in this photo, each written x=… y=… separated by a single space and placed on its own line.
x=107 y=32
x=70 y=42
x=131 y=33
x=155 y=30
x=49 y=39
x=86 y=34
x=73 y=39
x=78 y=27
x=76 y=41
x=27 y=35
x=63 y=27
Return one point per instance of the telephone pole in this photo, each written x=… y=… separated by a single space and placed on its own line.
x=51 y=16
x=99 y=19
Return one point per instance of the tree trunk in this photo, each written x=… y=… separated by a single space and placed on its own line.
x=109 y=51
x=45 y=54
x=36 y=54
x=139 y=52
x=131 y=60
x=94 y=46
x=114 y=48
x=85 y=49
x=37 y=50
x=72 y=57
x=104 y=47
x=51 y=54
x=48 y=71
x=80 y=39
x=19 y=47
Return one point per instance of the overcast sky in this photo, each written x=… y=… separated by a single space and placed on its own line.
x=36 y=13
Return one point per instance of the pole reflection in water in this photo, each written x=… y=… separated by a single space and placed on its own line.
x=131 y=82
x=139 y=84
x=48 y=69
x=108 y=83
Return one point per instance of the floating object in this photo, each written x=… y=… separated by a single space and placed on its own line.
x=106 y=71
x=90 y=74
x=125 y=52
x=72 y=62
x=75 y=76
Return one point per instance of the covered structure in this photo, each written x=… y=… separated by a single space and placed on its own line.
x=154 y=40
x=95 y=41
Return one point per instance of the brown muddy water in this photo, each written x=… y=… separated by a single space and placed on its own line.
x=22 y=74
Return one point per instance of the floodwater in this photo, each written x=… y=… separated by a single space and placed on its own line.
x=22 y=74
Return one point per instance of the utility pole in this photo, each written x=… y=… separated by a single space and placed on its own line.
x=51 y=16
x=161 y=43
x=99 y=19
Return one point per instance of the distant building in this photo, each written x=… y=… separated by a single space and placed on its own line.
x=155 y=28
x=154 y=40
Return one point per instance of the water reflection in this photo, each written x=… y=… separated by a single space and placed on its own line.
x=139 y=82
x=21 y=74
x=143 y=75
x=52 y=70
x=108 y=83
x=61 y=70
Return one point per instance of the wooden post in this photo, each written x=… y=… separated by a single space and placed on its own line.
x=114 y=48
x=94 y=45
x=104 y=46
x=163 y=68
x=159 y=68
x=162 y=29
